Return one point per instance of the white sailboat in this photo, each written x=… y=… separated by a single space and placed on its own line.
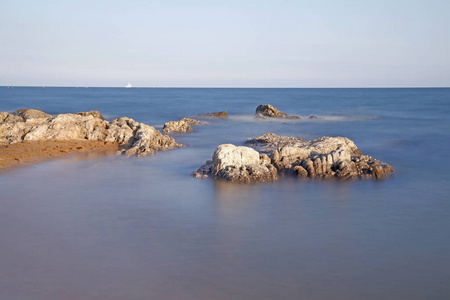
x=128 y=85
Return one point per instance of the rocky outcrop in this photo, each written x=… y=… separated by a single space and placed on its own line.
x=327 y=157
x=182 y=126
x=238 y=164
x=264 y=111
x=214 y=115
x=136 y=138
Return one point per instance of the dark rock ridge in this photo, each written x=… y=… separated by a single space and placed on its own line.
x=182 y=126
x=264 y=111
x=327 y=157
x=136 y=138
x=214 y=115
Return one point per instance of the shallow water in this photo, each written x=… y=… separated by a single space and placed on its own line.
x=143 y=228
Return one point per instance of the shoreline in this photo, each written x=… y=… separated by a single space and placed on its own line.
x=26 y=153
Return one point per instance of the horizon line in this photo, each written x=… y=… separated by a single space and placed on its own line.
x=220 y=87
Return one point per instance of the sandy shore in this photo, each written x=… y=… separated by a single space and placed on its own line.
x=26 y=153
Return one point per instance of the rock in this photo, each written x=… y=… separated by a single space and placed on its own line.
x=270 y=141
x=238 y=164
x=314 y=118
x=94 y=113
x=136 y=138
x=7 y=117
x=148 y=140
x=327 y=157
x=268 y=111
x=28 y=113
x=182 y=126
x=214 y=115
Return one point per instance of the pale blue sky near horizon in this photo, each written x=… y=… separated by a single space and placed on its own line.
x=225 y=44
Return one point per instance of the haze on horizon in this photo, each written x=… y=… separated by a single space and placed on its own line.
x=228 y=44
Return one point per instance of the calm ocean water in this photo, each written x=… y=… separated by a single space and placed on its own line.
x=143 y=228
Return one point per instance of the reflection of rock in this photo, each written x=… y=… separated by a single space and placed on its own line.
x=136 y=138
x=238 y=164
x=269 y=111
x=182 y=126
x=327 y=157
x=214 y=115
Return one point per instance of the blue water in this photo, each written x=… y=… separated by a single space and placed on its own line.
x=143 y=228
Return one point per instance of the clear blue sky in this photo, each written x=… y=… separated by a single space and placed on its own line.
x=225 y=43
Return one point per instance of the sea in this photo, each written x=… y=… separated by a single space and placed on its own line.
x=118 y=228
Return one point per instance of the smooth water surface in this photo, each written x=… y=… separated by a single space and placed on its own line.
x=144 y=228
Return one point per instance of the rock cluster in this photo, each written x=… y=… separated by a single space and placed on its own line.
x=182 y=126
x=136 y=138
x=238 y=164
x=327 y=157
x=264 y=111
x=214 y=115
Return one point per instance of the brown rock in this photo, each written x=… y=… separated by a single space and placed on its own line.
x=28 y=113
x=214 y=115
x=182 y=126
x=269 y=111
x=7 y=117
x=94 y=113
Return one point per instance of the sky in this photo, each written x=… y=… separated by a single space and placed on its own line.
x=174 y=43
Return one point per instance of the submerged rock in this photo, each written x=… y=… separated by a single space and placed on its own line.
x=136 y=138
x=268 y=111
x=214 y=115
x=182 y=126
x=238 y=164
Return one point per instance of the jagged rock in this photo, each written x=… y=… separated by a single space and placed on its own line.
x=136 y=138
x=181 y=126
x=238 y=164
x=214 y=115
x=268 y=111
x=28 y=113
x=148 y=140
x=327 y=157
x=94 y=113
x=7 y=117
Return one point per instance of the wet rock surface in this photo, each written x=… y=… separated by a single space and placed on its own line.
x=182 y=126
x=264 y=111
x=136 y=138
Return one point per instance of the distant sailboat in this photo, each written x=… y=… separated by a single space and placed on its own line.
x=128 y=85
